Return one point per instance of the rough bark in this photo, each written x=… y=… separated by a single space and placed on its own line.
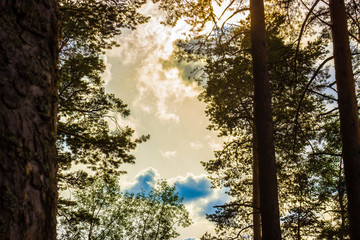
x=349 y=120
x=28 y=98
x=269 y=206
x=256 y=192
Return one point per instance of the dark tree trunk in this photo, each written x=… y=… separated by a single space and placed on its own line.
x=269 y=206
x=341 y=196
x=28 y=98
x=349 y=120
x=256 y=192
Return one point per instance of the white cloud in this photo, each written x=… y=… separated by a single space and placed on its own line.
x=185 y=178
x=196 y=210
x=168 y=154
x=107 y=73
x=163 y=111
x=197 y=229
x=149 y=175
x=144 y=49
x=156 y=91
x=196 y=145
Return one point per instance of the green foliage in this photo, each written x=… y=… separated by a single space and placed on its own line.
x=195 y=13
x=208 y=236
x=96 y=22
x=306 y=135
x=327 y=167
x=229 y=95
x=308 y=148
x=307 y=198
x=85 y=109
x=100 y=210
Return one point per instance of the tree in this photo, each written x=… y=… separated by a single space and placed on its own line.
x=304 y=212
x=85 y=109
x=327 y=166
x=228 y=93
x=162 y=210
x=84 y=136
x=102 y=211
x=341 y=16
x=349 y=120
x=208 y=236
x=197 y=14
x=28 y=73
x=269 y=204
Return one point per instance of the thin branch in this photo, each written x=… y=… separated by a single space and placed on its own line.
x=308 y=86
x=236 y=204
x=250 y=226
x=302 y=30
x=328 y=112
x=232 y=15
x=317 y=16
x=323 y=95
x=326 y=153
x=232 y=143
x=227 y=7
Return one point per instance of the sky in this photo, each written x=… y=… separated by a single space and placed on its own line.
x=164 y=104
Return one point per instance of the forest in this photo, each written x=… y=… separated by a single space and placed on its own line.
x=280 y=81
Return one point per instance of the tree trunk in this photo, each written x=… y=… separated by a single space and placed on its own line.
x=349 y=121
x=269 y=206
x=256 y=192
x=341 y=195
x=28 y=98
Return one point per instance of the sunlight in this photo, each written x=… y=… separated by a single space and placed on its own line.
x=248 y=126
x=226 y=16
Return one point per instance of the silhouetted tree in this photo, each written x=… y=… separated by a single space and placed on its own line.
x=269 y=204
x=348 y=109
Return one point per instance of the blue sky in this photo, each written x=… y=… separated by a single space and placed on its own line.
x=199 y=197
x=191 y=188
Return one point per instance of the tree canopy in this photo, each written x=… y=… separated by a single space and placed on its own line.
x=100 y=210
x=84 y=137
x=303 y=100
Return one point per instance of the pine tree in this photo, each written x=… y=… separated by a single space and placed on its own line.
x=28 y=75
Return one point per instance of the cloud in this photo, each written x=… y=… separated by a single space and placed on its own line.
x=196 y=145
x=143 y=50
x=144 y=181
x=106 y=75
x=168 y=154
x=192 y=188
x=199 y=198
x=187 y=71
x=206 y=205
